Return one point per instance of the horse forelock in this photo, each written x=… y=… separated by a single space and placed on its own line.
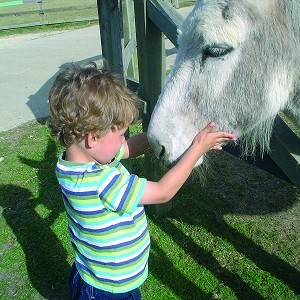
x=218 y=29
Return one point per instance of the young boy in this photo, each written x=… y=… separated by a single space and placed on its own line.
x=90 y=112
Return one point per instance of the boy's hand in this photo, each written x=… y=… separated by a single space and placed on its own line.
x=163 y=190
x=207 y=139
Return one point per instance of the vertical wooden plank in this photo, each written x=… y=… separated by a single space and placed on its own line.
x=175 y=3
x=111 y=31
x=129 y=36
x=285 y=150
x=152 y=72
x=112 y=40
x=151 y=57
x=41 y=12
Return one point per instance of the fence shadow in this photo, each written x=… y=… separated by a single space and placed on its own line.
x=162 y=268
x=239 y=190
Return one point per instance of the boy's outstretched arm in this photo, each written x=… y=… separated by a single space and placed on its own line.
x=136 y=145
x=163 y=190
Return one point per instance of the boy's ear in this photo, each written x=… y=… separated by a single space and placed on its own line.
x=91 y=139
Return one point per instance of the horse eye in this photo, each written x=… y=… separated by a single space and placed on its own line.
x=216 y=51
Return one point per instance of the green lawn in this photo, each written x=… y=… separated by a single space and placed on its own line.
x=235 y=236
x=53 y=11
x=10 y=3
x=232 y=235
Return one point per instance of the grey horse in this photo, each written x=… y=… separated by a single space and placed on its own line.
x=237 y=64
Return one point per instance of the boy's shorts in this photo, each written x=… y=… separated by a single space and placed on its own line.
x=80 y=290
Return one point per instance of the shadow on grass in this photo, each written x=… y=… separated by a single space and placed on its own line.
x=46 y=258
x=204 y=258
x=162 y=268
x=230 y=192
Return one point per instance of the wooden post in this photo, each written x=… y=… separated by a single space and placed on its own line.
x=285 y=150
x=175 y=3
x=41 y=12
x=152 y=70
x=112 y=37
x=130 y=56
x=117 y=30
x=112 y=40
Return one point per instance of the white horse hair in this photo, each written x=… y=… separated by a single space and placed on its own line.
x=237 y=64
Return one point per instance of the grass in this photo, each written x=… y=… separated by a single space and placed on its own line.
x=234 y=237
x=67 y=15
x=64 y=14
x=53 y=11
x=47 y=28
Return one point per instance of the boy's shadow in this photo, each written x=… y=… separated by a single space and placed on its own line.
x=226 y=192
x=47 y=261
x=46 y=258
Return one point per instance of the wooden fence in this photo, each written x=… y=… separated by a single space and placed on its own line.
x=37 y=13
x=154 y=20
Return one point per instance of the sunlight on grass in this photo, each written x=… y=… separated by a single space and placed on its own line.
x=227 y=238
x=42 y=211
x=234 y=235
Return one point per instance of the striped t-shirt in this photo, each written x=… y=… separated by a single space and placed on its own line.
x=108 y=227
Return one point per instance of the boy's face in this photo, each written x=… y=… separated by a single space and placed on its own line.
x=109 y=144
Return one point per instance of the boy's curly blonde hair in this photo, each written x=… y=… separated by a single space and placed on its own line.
x=87 y=98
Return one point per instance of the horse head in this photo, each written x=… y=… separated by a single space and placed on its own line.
x=238 y=65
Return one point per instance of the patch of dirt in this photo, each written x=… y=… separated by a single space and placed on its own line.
x=247 y=189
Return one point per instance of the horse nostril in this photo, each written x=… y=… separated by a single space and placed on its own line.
x=162 y=152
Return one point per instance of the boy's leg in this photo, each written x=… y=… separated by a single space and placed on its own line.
x=79 y=289
x=75 y=283
x=103 y=295
x=136 y=294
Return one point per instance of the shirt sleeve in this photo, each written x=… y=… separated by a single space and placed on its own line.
x=121 y=192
